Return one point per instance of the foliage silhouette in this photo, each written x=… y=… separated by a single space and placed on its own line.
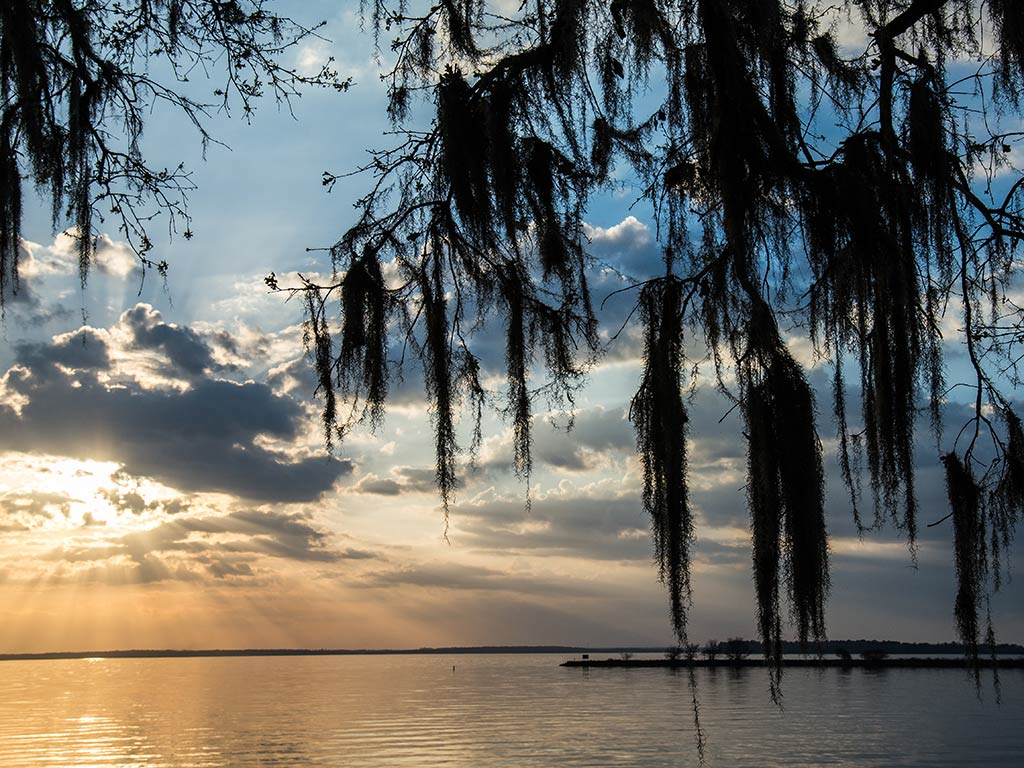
x=711 y=649
x=859 y=198
x=77 y=81
x=735 y=648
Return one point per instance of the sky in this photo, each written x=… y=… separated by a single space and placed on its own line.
x=164 y=481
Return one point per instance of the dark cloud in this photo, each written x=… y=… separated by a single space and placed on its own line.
x=223 y=568
x=612 y=617
x=21 y=298
x=628 y=246
x=381 y=486
x=586 y=526
x=405 y=390
x=230 y=344
x=127 y=501
x=201 y=439
x=84 y=349
x=900 y=600
x=402 y=480
x=253 y=534
x=709 y=552
x=468 y=577
x=185 y=351
x=595 y=433
x=297 y=374
x=625 y=247
x=131 y=499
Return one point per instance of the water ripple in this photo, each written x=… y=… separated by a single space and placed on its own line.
x=519 y=711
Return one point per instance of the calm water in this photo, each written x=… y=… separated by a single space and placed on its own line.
x=522 y=710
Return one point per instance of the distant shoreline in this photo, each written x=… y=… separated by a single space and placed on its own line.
x=751 y=647
x=171 y=653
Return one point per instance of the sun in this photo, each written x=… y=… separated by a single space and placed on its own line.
x=54 y=493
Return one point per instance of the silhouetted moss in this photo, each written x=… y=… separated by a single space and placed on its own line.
x=76 y=85
x=660 y=418
x=867 y=233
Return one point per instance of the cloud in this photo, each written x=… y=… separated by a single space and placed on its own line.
x=116 y=259
x=18 y=295
x=186 y=352
x=598 y=434
x=312 y=57
x=68 y=398
x=226 y=547
x=628 y=246
x=132 y=501
x=454 y=576
x=111 y=257
x=595 y=522
x=36 y=260
x=50 y=292
x=26 y=510
x=84 y=349
x=402 y=480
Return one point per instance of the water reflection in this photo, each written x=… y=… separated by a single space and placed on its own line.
x=520 y=711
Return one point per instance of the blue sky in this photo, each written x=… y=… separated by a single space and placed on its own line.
x=164 y=481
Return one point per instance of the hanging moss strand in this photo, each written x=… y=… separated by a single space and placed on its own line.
x=660 y=419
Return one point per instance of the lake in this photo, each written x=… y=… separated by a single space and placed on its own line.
x=519 y=710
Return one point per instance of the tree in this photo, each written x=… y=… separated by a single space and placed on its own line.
x=855 y=198
x=77 y=80
x=858 y=198
x=736 y=648
x=874 y=655
x=711 y=649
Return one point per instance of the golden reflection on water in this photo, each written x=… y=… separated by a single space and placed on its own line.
x=519 y=711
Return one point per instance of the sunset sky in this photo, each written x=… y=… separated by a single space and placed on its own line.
x=164 y=481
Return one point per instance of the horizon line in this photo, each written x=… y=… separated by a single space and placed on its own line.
x=951 y=646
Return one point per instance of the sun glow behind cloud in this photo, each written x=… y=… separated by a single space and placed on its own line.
x=52 y=493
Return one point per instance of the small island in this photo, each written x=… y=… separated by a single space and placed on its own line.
x=738 y=653
x=913 y=662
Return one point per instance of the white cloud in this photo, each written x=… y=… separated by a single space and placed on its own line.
x=36 y=260
x=628 y=233
x=60 y=258
x=312 y=57
x=115 y=258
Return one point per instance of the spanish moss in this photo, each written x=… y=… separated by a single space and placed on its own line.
x=364 y=335
x=785 y=492
x=868 y=297
x=437 y=370
x=969 y=550
x=77 y=83
x=798 y=190
x=659 y=416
